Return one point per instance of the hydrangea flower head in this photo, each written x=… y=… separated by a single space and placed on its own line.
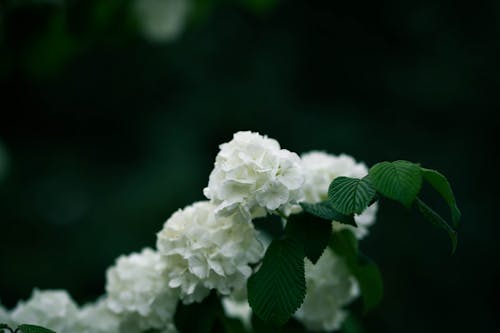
x=330 y=286
x=253 y=175
x=204 y=251
x=320 y=170
x=53 y=309
x=137 y=289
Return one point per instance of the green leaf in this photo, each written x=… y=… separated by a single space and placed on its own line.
x=345 y=244
x=312 y=232
x=439 y=182
x=34 y=329
x=438 y=221
x=399 y=180
x=370 y=282
x=350 y=195
x=325 y=211
x=260 y=326
x=352 y=325
x=278 y=288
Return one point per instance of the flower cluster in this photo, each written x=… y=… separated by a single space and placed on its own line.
x=204 y=251
x=50 y=308
x=212 y=245
x=136 y=289
x=253 y=175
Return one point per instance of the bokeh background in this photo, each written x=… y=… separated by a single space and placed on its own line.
x=111 y=114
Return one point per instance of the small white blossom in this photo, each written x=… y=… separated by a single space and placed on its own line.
x=236 y=306
x=238 y=309
x=253 y=175
x=330 y=286
x=320 y=170
x=97 y=318
x=204 y=251
x=137 y=289
x=53 y=309
x=162 y=20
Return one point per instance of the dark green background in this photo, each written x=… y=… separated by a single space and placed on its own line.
x=109 y=134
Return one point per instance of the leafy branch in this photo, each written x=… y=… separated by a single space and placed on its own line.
x=277 y=289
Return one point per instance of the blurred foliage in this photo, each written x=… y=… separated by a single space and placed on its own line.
x=108 y=134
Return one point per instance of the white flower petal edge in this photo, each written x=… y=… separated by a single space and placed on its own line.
x=204 y=251
x=236 y=306
x=136 y=288
x=330 y=286
x=320 y=170
x=4 y=316
x=253 y=175
x=238 y=309
x=53 y=309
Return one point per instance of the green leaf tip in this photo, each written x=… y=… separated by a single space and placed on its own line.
x=366 y=272
x=433 y=217
x=370 y=282
x=325 y=211
x=350 y=195
x=310 y=231
x=439 y=182
x=278 y=288
x=33 y=329
x=398 y=180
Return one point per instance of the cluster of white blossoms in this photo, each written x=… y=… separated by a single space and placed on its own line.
x=330 y=286
x=213 y=245
x=204 y=251
x=49 y=308
x=137 y=290
x=321 y=169
x=253 y=175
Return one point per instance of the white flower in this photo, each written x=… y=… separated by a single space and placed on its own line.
x=97 y=318
x=204 y=251
x=4 y=316
x=320 y=170
x=162 y=20
x=236 y=306
x=136 y=288
x=330 y=286
x=254 y=175
x=238 y=309
x=53 y=309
